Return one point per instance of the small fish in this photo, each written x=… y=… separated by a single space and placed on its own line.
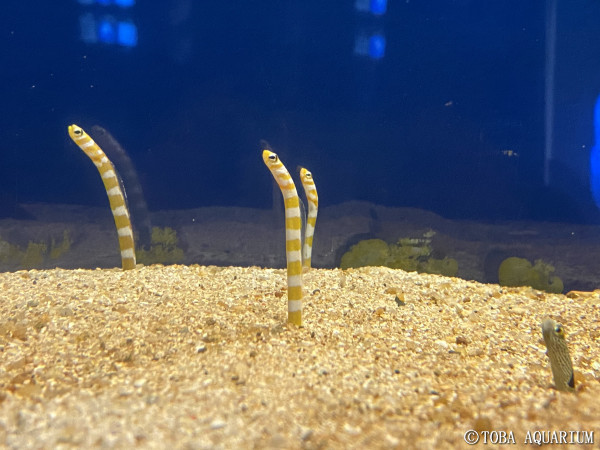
x=558 y=353
x=509 y=153
x=293 y=234
x=115 y=194
x=429 y=234
x=310 y=190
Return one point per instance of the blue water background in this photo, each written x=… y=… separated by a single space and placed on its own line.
x=446 y=114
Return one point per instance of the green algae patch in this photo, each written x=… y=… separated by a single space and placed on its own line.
x=515 y=271
x=409 y=254
x=163 y=248
x=34 y=255
x=370 y=252
x=59 y=249
x=37 y=253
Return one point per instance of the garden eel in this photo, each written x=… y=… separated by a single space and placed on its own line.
x=560 y=360
x=293 y=226
x=308 y=183
x=113 y=190
x=135 y=194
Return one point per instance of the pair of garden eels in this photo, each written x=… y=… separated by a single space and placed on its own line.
x=298 y=258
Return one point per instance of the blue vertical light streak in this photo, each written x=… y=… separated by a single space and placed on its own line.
x=595 y=156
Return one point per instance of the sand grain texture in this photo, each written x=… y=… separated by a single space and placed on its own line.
x=201 y=357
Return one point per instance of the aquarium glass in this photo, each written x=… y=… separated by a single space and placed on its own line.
x=460 y=133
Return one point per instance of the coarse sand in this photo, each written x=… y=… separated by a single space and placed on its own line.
x=202 y=357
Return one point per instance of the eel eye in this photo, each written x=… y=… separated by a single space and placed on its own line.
x=308 y=175
x=273 y=157
x=77 y=131
x=558 y=329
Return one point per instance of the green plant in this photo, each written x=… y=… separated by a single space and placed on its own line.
x=410 y=254
x=10 y=252
x=370 y=252
x=34 y=255
x=163 y=248
x=57 y=250
x=515 y=271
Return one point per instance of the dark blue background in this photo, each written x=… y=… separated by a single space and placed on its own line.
x=426 y=126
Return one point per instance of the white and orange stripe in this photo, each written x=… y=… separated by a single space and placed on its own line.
x=310 y=190
x=293 y=232
x=113 y=190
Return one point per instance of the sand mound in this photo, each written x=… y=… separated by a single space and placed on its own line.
x=199 y=357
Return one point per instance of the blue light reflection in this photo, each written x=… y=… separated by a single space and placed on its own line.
x=595 y=157
x=127 y=34
x=119 y=3
x=372 y=45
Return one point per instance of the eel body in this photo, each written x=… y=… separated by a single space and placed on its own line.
x=135 y=194
x=293 y=238
x=310 y=189
x=558 y=353
x=115 y=194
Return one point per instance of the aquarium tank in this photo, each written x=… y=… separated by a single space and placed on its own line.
x=453 y=137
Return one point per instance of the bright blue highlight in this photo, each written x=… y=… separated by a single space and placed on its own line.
x=106 y=32
x=595 y=156
x=120 y=3
x=372 y=45
x=377 y=46
x=125 y=3
x=127 y=34
x=378 y=7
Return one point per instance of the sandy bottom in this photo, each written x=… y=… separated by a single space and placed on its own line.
x=202 y=357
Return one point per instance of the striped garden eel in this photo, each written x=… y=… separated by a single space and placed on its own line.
x=308 y=183
x=293 y=241
x=560 y=359
x=113 y=190
x=138 y=208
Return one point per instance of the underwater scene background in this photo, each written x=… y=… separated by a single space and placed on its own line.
x=443 y=136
